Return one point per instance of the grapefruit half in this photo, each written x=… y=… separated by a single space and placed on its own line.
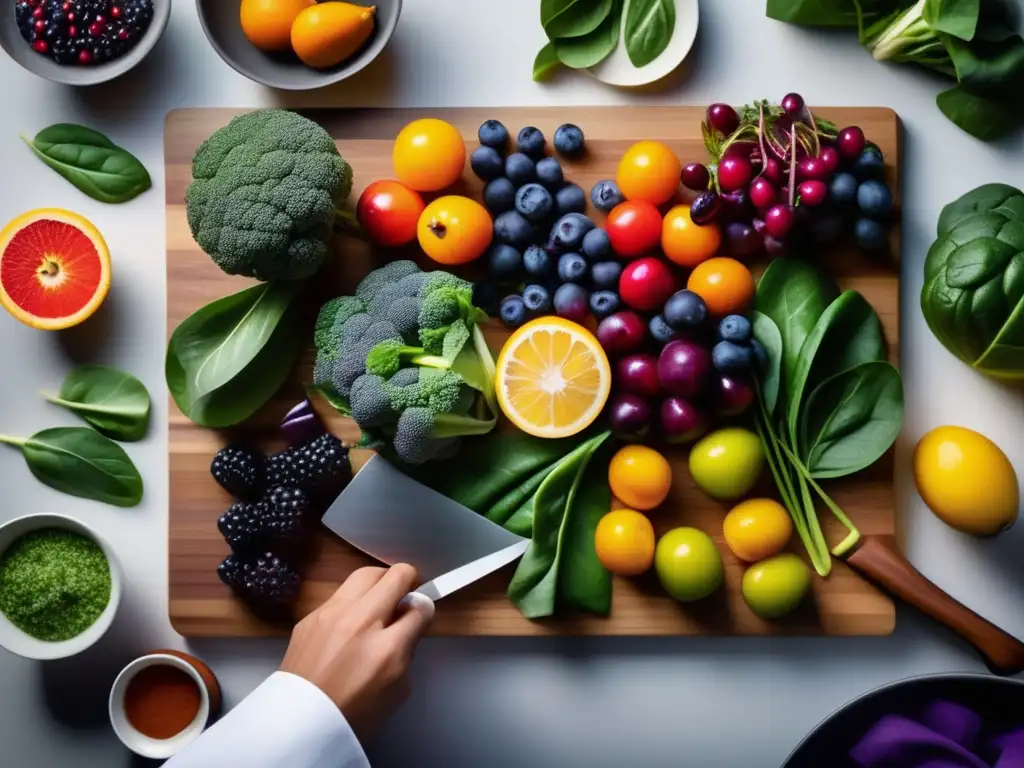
x=54 y=268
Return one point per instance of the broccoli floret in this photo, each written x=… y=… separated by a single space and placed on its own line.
x=404 y=314
x=333 y=315
x=370 y=402
x=351 y=362
x=392 y=272
x=390 y=355
x=322 y=369
x=442 y=307
x=265 y=193
x=352 y=329
x=422 y=435
x=441 y=391
x=443 y=279
x=412 y=284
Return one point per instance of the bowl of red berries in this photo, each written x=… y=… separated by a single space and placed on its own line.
x=81 y=42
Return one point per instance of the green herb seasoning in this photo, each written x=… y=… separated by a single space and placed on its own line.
x=54 y=583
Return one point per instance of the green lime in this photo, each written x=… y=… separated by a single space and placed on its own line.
x=774 y=587
x=688 y=563
x=727 y=463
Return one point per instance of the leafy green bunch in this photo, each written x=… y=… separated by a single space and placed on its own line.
x=406 y=359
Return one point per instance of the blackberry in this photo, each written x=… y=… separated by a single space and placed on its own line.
x=242 y=527
x=311 y=466
x=239 y=471
x=283 y=513
x=230 y=571
x=268 y=579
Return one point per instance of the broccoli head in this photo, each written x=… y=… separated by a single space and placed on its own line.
x=265 y=193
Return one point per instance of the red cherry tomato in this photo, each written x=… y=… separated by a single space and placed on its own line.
x=646 y=284
x=634 y=228
x=389 y=212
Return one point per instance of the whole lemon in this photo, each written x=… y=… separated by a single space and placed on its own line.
x=966 y=480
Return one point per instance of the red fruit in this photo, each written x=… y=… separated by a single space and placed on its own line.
x=115 y=12
x=851 y=142
x=732 y=396
x=830 y=157
x=696 y=177
x=813 y=193
x=622 y=333
x=40 y=25
x=634 y=228
x=681 y=421
x=684 y=368
x=723 y=118
x=629 y=416
x=763 y=193
x=389 y=212
x=772 y=170
x=84 y=57
x=734 y=173
x=96 y=29
x=40 y=46
x=638 y=375
x=38 y=13
x=811 y=168
x=779 y=220
x=646 y=284
x=792 y=104
x=741 y=149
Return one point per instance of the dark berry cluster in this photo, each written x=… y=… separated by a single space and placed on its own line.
x=266 y=578
x=83 y=32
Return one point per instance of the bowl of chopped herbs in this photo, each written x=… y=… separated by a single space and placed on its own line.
x=60 y=585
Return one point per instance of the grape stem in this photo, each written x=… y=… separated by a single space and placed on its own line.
x=792 y=165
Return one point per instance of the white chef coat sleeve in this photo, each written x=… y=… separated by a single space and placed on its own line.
x=287 y=722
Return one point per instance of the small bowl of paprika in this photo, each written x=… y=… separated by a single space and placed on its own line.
x=162 y=701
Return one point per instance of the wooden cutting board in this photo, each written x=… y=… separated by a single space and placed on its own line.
x=201 y=606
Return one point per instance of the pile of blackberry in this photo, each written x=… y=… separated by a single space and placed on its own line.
x=277 y=496
x=83 y=32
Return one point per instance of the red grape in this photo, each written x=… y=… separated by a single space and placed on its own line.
x=696 y=177
x=740 y=149
x=772 y=170
x=793 y=104
x=732 y=396
x=622 y=333
x=681 y=421
x=829 y=157
x=811 y=168
x=779 y=220
x=684 y=368
x=813 y=193
x=723 y=118
x=741 y=240
x=646 y=283
x=638 y=375
x=705 y=208
x=630 y=416
x=734 y=173
x=851 y=142
x=763 y=193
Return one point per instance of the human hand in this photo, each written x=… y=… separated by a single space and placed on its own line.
x=357 y=646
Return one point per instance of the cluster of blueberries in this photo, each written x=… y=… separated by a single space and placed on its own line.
x=860 y=192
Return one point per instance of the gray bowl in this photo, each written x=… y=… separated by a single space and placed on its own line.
x=224 y=30
x=18 y=49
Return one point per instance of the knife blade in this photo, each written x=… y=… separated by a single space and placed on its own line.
x=465 y=575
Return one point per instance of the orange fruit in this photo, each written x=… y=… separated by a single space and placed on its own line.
x=756 y=529
x=639 y=476
x=624 y=542
x=685 y=243
x=649 y=171
x=267 y=24
x=54 y=268
x=552 y=378
x=454 y=230
x=429 y=155
x=726 y=286
x=325 y=34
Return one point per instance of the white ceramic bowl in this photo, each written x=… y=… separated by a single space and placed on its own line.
x=139 y=743
x=17 y=641
x=617 y=69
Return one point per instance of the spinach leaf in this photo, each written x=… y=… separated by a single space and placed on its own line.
x=91 y=162
x=227 y=360
x=583 y=583
x=534 y=587
x=648 y=30
x=592 y=48
x=999 y=198
x=818 y=13
x=81 y=462
x=114 y=402
x=851 y=419
x=546 y=62
x=767 y=332
x=984 y=117
x=954 y=17
x=573 y=18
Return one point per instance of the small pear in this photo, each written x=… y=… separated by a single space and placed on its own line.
x=326 y=34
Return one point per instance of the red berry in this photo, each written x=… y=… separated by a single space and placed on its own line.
x=40 y=46
x=851 y=142
x=65 y=6
x=122 y=34
x=37 y=13
x=813 y=193
x=763 y=193
x=829 y=157
x=84 y=57
x=793 y=104
x=811 y=168
x=734 y=173
x=772 y=170
x=723 y=118
x=646 y=283
x=40 y=25
x=95 y=29
x=100 y=19
x=779 y=220
x=115 y=12
x=638 y=375
x=72 y=31
x=71 y=16
x=622 y=333
x=696 y=177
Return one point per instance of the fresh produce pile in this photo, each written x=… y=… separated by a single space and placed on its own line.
x=83 y=32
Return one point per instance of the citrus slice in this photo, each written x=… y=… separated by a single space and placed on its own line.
x=54 y=268
x=553 y=378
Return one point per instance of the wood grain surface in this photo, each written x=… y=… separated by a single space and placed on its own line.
x=843 y=604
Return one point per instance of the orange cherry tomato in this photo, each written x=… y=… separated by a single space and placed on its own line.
x=726 y=286
x=686 y=243
x=454 y=230
x=389 y=212
x=429 y=155
x=624 y=542
x=634 y=228
x=756 y=529
x=639 y=476
x=649 y=171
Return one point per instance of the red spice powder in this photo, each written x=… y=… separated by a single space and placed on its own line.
x=161 y=701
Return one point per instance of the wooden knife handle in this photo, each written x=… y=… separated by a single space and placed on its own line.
x=883 y=565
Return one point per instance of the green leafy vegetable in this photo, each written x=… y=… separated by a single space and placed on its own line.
x=546 y=62
x=594 y=47
x=648 y=30
x=573 y=18
x=227 y=359
x=767 y=331
x=81 y=462
x=112 y=401
x=91 y=161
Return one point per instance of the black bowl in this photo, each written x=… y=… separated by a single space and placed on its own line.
x=1000 y=701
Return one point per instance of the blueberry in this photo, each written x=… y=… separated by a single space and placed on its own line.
x=537 y=299
x=536 y=261
x=487 y=163
x=493 y=134
x=520 y=169
x=604 y=303
x=568 y=140
x=531 y=142
x=843 y=188
x=534 y=202
x=513 y=311
x=728 y=357
x=660 y=330
x=760 y=354
x=735 y=328
x=685 y=310
x=869 y=234
x=510 y=227
x=605 y=195
x=874 y=199
x=572 y=302
x=500 y=195
x=869 y=164
x=570 y=199
x=549 y=173
x=596 y=244
x=572 y=267
x=505 y=262
x=485 y=296
x=605 y=274
x=568 y=232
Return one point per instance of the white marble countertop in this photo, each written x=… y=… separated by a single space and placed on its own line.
x=702 y=703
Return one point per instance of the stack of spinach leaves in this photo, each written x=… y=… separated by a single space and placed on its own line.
x=829 y=404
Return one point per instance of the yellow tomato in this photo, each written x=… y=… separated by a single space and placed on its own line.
x=966 y=480
x=624 y=542
x=454 y=230
x=267 y=24
x=685 y=243
x=649 y=171
x=756 y=529
x=726 y=286
x=639 y=476
x=429 y=155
